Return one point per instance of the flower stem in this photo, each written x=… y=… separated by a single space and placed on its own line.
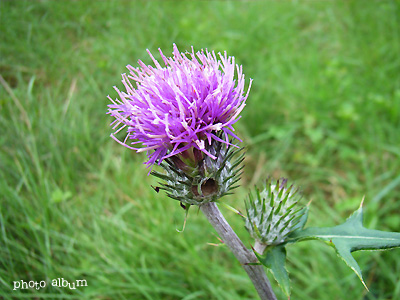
x=243 y=255
x=260 y=248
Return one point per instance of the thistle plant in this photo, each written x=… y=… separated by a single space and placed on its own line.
x=181 y=112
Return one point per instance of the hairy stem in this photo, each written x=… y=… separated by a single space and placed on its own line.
x=243 y=255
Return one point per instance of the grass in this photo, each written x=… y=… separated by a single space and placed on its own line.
x=324 y=111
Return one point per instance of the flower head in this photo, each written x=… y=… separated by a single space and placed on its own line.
x=179 y=105
x=274 y=212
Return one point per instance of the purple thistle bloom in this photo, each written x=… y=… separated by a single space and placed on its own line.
x=181 y=105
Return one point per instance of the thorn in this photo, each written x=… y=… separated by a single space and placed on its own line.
x=183 y=205
x=365 y=286
x=219 y=239
x=157 y=188
x=362 y=203
x=309 y=203
x=215 y=245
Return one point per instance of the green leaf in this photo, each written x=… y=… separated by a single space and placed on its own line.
x=349 y=237
x=274 y=259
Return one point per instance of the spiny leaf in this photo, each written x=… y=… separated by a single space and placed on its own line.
x=269 y=228
x=279 y=207
x=274 y=259
x=287 y=194
x=159 y=175
x=349 y=237
x=281 y=189
x=271 y=215
x=175 y=197
x=228 y=157
x=186 y=216
x=272 y=195
x=237 y=162
x=235 y=181
x=233 y=209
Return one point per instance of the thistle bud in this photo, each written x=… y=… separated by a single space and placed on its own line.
x=273 y=213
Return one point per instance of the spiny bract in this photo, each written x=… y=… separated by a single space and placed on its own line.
x=208 y=180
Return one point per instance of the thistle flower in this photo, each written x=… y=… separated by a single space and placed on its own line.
x=180 y=105
x=273 y=214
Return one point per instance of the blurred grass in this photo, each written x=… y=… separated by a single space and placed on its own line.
x=324 y=110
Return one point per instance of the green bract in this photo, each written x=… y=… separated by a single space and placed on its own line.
x=203 y=180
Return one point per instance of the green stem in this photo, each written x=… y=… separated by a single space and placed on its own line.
x=245 y=256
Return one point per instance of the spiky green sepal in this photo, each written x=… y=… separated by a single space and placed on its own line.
x=273 y=213
x=207 y=181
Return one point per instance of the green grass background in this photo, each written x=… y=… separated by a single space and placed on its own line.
x=324 y=110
